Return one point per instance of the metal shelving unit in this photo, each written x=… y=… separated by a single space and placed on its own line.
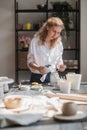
x=68 y=52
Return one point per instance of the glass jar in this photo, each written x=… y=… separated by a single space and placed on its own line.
x=54 y=78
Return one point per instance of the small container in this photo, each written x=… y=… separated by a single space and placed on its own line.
x=41 y=6
x=65 y=86
x=20 y=26
x=28 y=26
x=54 y=78
x=6 y=88
x=36 y=26
x=75 y=80
x=1 y=91
x=69 y=109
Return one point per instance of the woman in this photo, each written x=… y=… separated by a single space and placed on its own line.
x=46 y=49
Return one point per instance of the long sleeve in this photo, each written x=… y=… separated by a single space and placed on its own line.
x=30 y=56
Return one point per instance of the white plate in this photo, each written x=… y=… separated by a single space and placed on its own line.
x=6 y=80
x=79 y=115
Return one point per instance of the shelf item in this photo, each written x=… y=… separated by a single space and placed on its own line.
x=5 y=81
x=23 y=41
x=71 y=64
x=22 y=58
x=30 y=17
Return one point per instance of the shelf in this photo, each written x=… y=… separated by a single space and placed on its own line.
x=72 y=69
x=43 y=10
x=28 y=69
x=72 y=29
x=23 y=49
x=25 y=30
x=72 y=49
x=55 y=10
x=31 y=11
x=22 y=69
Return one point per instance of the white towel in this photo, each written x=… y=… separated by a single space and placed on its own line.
x=18 y=119
x=43 y=78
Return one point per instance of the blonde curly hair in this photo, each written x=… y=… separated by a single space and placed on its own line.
x=42 y=33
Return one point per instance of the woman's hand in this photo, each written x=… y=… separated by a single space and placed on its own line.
x=41 y=69
x=61 y=67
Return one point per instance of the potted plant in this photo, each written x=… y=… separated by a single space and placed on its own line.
x=61 y=10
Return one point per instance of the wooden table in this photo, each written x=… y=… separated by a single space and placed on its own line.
x=51 y=124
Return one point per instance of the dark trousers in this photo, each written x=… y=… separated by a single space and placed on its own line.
x=36 y=78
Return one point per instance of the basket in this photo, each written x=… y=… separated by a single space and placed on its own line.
x=22 y=58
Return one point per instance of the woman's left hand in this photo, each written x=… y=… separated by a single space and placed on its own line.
x=61 y=67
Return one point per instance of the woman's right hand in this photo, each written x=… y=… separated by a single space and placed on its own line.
x=41 y=69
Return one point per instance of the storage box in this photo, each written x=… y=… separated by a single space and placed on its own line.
x=22 y=58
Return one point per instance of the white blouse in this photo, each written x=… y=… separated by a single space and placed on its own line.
x=42 y=55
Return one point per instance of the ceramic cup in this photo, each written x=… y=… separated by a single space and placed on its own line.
x=1 y=91
x=6 y=88
x=65 y=86
x=28 y=26
x=75 y=80
x=69 y=108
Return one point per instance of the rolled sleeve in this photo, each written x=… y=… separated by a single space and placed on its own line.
x=59 y=59
x=30 y=56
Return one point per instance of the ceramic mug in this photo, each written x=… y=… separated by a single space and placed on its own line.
x=69 y=108
x=28 y=26
x=65 y=86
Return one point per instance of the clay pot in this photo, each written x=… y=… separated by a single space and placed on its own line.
x=69 y=109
